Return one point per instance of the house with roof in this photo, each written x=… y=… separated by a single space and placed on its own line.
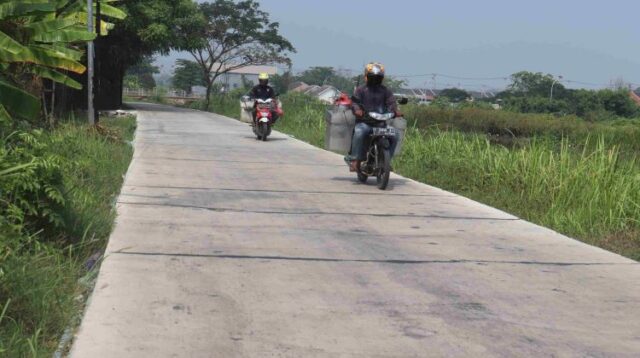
x=326 y=93
x=236 y=77
x=298 y=86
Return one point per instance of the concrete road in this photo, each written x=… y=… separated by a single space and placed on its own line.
x=230 y=247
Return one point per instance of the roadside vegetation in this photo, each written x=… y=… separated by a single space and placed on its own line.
x=58 y=176
x=577 y=177
x=57 y=190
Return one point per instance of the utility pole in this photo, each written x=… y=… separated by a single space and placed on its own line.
x=553 y=84
x=90 y=55
x=96 y=69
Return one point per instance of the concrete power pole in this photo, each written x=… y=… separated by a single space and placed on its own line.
x=90 y=55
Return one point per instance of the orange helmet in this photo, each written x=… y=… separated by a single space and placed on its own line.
x=374 y=73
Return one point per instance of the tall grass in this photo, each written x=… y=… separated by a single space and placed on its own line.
x=507 y=127
x=40 y=271
x=579 y=178
x=589 y=194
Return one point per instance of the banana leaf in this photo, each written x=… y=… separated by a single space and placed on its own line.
x=73 y=34
x=61 y=51
x=24 y=8
x=9 y=44
x=18 y=102
x=44 y=57
x=55 y=76
x=50 y=25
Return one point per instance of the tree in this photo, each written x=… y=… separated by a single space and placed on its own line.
x=535 y=85
x=281 y=83
x=152 y=26
x=143 y=71
x=394 y=84
x=317 y=75
x=619 y=102
x=186 y=75
x=455 y=95
x=235 y=35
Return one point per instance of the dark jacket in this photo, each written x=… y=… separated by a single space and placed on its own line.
x=374 y=99
x=262 y=92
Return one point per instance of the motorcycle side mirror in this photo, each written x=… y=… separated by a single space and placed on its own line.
x=403 y=100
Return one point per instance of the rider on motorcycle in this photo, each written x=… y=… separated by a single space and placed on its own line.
x=372 y=97
x=263 y=91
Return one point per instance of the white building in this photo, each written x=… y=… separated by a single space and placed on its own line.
x=234 y=78
x=324 y=93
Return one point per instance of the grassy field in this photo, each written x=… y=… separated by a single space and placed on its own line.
x=579 y=178
x=45 y=243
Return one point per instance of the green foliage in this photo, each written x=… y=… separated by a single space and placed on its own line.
x=282 y=82
x=509 y=127
x=40 y=40
x=187 y=74
x=32 y=196
x=534 y=85
x=530 y=92
x=56 y=194
x=454 y=94
x=619 y=103
x=317 y=75
x=143 y=71
x=394 y=84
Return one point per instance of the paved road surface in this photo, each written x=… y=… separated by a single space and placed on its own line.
x=229 y=247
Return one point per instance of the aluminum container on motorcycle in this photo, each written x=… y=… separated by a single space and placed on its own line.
x=340 y=123
x=246 y=109
x=400 y=124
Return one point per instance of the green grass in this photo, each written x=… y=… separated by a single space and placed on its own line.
x=40 y=271
x=590 y=194
x=511 y=128
x=581 y=179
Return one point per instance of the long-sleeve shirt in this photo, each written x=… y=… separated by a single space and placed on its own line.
x=262 y=92
x=374 y=99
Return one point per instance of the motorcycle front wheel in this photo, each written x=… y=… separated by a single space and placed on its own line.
x=264 y=129
x=362 y=177
x=384 y=168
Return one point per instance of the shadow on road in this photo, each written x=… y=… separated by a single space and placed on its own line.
x=393 y=182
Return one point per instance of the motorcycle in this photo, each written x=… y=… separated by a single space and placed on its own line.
x=378 y=157
x=263 y=118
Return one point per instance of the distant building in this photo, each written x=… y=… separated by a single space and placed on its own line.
x=323 y=93
x=234 y=78
x=298 y=86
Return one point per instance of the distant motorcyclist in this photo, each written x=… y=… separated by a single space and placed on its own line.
x=263 y=91
x=372 y=97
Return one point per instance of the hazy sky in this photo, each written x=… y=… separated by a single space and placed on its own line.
x=588 y=41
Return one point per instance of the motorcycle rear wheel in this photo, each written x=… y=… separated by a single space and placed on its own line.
x=384 y=168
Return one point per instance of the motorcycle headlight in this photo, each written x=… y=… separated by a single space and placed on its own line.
x=380 y=116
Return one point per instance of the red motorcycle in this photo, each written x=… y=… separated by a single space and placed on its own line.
x=264 y=117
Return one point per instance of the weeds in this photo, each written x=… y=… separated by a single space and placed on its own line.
x=41 y=261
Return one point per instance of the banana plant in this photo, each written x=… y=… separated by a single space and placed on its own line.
x=42 y=39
